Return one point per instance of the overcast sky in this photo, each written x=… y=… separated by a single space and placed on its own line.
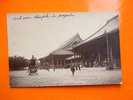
x=40 y=33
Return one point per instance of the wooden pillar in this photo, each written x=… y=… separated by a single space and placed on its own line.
x=99 y=59
x=74 y=56
x=57 y=63
x=109 y=53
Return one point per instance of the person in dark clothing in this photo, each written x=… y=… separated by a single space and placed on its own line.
x=76 y=66
x=79 y=66
x=73 y=69
x=32 y=66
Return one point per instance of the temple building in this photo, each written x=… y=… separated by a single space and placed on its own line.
x=101 y=48
x=57 y=58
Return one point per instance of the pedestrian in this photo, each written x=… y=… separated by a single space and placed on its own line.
x=32 y=66
x=47 y=66
x=79 y=66
x=73 y=69
x=76 y=66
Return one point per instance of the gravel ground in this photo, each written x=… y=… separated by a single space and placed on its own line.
x=61 y=77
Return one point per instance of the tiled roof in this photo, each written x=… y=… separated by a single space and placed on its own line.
x=62 y=52
x=67 y=46
x=107 y=27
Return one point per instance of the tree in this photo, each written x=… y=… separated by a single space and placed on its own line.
x=17 y=63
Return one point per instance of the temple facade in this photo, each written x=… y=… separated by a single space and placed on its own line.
x=101 y=49
x=57 y=58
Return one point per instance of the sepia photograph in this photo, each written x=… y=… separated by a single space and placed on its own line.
x=63 y=49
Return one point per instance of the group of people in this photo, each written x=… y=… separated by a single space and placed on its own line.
x=33 y=66
x=74 y=67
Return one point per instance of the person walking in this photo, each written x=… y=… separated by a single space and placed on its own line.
x=72 y=69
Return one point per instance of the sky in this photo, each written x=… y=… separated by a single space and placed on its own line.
x=41 y=33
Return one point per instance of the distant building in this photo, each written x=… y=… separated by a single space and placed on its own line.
x=57 y=58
